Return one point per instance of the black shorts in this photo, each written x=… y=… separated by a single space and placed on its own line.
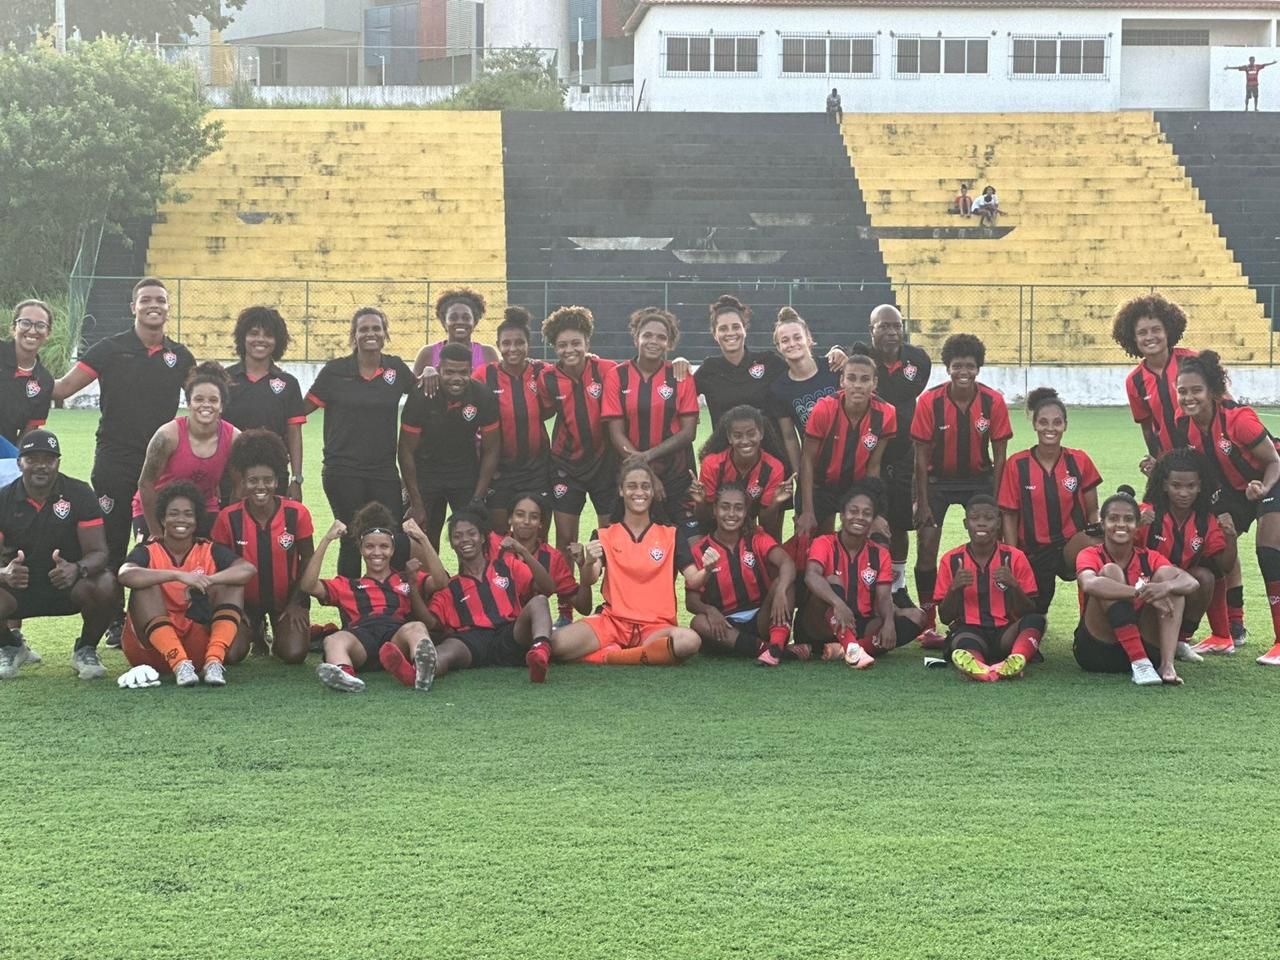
x=439 y=493
x=569 y=493
x=947 y=493
x=45 y=600
x=898 y=475
x=1243 y=510
x=513 y=481
x=493 y=648
x=1095 y=656
x=372 y=634
x=1049 y=566
x=826 y=502
x=988 y=638
x=905 y=630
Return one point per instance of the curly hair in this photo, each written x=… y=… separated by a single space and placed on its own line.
x=1154 y=305
x=963 y=345
x=1207 y=365
x=568 y=318
x=1042 y=397
x=211 y=372
x=743 y=412
x=646 y=315
x=515 y=318
x=370 y=518
x=727 y=303
x=1182 y=460
x=472 y=298
x=182 y=490
x=260 y=448
x=266 y=319
x=474 y=517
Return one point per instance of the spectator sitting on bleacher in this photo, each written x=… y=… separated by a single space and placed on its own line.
x=987 y=206
x=834 y=110
x=963 y=204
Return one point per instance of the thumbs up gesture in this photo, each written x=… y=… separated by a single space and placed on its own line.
x=16 y=574
x=63 y=574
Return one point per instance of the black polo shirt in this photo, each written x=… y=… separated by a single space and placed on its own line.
x=24 y=397
x=360 y=415
x=727 y=385
x=448 y=453
x=901 y=383
x=271 y=402
x=38 y=529
x=140 y=390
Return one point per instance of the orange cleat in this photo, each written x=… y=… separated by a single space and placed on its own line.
x=1271 y=658
x=858 y=658
x=1214 y=645
x=931 y=640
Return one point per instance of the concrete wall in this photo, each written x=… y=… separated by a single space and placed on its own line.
x=261 y=18
x=1226 y=87
x=540 y=23
x=1167 y=78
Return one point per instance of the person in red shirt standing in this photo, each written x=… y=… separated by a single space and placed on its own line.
x=986 y=596
x=654 y=416
x=844 y=441
x=850 y=610
x=1131 y=601
x=1247 y=466
x=1149 y=329
x=1178 y=523
x=745 y=607
x=1251 y=71
x=530 y=514
x=961 y=431
x=735 y=453
x=1049 y=498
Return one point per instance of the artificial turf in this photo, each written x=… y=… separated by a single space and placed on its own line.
x=712 y=810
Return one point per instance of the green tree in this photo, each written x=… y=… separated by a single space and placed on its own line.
x=92 y=136
x=517 y=79
x=172 y=19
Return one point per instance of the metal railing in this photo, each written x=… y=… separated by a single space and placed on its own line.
x=1023 y=324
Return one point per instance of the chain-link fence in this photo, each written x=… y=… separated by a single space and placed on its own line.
x=1019 y=323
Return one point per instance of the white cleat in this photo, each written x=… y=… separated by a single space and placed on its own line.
x=335 y=678
x=1186 y=653
x=215 y=674
x=1145 y=673
x=184 y=674
x=13 y=657
x=85 y=662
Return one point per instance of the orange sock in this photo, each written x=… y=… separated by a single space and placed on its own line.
x=601 y=655
x=222 y=632
x=657 y=652
x=160 y=636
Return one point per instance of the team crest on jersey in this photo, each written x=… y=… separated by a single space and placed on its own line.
x=910 y=371
x=868 y=576
x=501 y=582
x=33 y=388
x=1140 y=583
x=62 y=508
x=561 y=490
x=1196 y=544
x=1070 y=483
x=533 y=387
x=749 y=559
x=170 y=358
x=389 y=375
x=276 y=385
x=657 y=554
x=756 y=371
x=754 y=491
x=199 y=571
x=1224 y=445
x=402 y=588
x=106 y=503
x=982 y=425
x=285 y=540
x=595 y=390
x=870 y=441
x=469 y=412
x=665 y=391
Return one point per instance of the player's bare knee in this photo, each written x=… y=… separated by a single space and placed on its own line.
x=685 y=643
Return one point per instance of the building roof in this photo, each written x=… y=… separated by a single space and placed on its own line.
x=1273 y=6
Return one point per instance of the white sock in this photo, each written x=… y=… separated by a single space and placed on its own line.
x=899 y=576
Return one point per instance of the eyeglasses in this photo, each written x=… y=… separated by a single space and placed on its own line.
x=39 y=326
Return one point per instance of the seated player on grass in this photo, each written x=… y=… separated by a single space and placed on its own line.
x=52 y=535
x=1049 y=498
x=275 y=534
x=849 y=609
x=530 y=517
x=735 y=452
x=382 y=611
x=639 y=558
x=745 y=606
x=494 y=612
x=1178 y=523
x=986 y=597
x=1131 y=601
x=186 y=595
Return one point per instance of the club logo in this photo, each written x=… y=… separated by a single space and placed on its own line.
x=657 y=554
x=170 y=358
x=469 y=412
x=533 y=387
x=501 y=582
x=749 y=559
x=754 y=491
x=62 y=509
x=402 y=588
x=33 y=388
x=868 y=576
x=756 y=371
x=1140 y=583
x=910 y=371
x=1273 y=600
x=595 y=390
x=52 y=443
x=870 y=441
x=665 y=391
x=1196 y=544
x=276 y=385
x=285 y=540
x=106 y=503
x=1224 y=445
x=561 y=490
x=1001 y=587
x=982 y=425
x=389 y=375
x=1070 y=483
x=199 y=571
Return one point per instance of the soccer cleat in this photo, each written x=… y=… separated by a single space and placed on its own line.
x=11 y=658
x=801 y=651
x=1271 y=658
x=1215 y=645
x=972 y=667
x=215 y=674
x=538 y=659
x=1239 y=635
x=335 y=678
x=770 y=656
x=112 y=636
x=902 y=599
x=1010 y=666
x=931 y=640
x=858 y=658
x=1187 y=653
x=1145 y=673
x=184 y=674
x=832 y=651
x=33 y=657
x=85 y=662
x=424 y=665
x=396 y=663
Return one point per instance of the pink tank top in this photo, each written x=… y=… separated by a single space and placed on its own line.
x=204 y=472
x=477 y=354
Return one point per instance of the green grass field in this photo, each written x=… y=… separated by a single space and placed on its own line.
x=712 y=810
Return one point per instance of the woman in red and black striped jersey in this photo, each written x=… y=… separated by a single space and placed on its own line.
x=494 y=613
x=844 y=441
x=735 y=452
x=744 y=608
x=583 y=460
x=849 y=610
x=523 y=463
x=530 y=514
x=1049 y=498
x=382 y=611
x=1178 y=522
x=653 y=415
x=1247 y=465
x=275 y=534
x=1149 y=329
x=986 y=597
x=961 y=431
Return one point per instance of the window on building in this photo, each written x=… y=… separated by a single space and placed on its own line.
x=712 y=54
x=919 y=55
x=829 y=55
x=1151 y=37
x=1044 y=57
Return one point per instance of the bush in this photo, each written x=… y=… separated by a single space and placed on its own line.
x=511 y=80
